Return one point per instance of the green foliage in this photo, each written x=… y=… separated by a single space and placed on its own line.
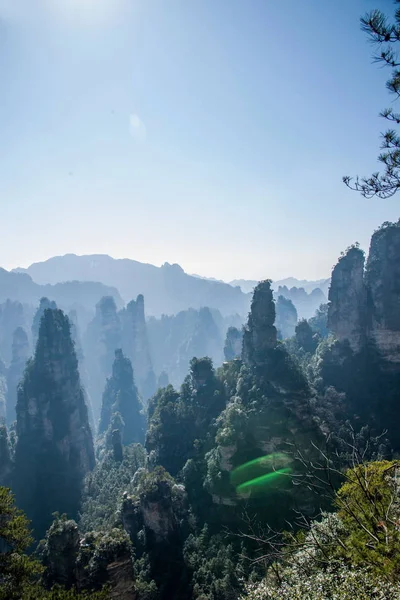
x=369 y=506
x=104 y=488
x=17 y=569
x=319 y=322
x=5 y=457
x=305 y=337
x=121 y=396
x=384 y=34
x=157 y=518
x=20 y=573
x=54 y=448
x=37 y=592
x=351 y=554
x=179 y=423
x=337 y=583
x=218 y=570
x=45 y=304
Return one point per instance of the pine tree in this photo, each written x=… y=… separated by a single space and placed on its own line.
x=384 y=34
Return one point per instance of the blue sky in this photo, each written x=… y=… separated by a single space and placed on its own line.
x=212 y=133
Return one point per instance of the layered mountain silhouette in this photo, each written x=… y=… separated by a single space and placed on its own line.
x=248 y=285
x=167 y=289
x=20 y=286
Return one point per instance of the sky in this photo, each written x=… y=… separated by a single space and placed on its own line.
x=210 y=133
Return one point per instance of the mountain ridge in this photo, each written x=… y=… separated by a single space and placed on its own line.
x=167 y=289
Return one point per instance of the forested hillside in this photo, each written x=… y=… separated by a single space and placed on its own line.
x=166 y=436
x=186 y=491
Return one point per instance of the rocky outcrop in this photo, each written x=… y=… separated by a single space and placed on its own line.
x=305 y=337
x=175 y=339
x=90 y=562
x=382 y=277
x=121 y=396
x=120 y=579
x=262 y=351
x=12 y=316
x=102 y=338
x=3 y=392
x=348 y=299
x=5 y=458
x=260 y=333
x=20 y=356
x=305 y=303
x=54 y=449
x=135 y=344
x=60 y=552
x=44 y=304
x=156 y=518
x=286 y=317
x=116 y=442
x=233 y=343
x=364 y=305
x=158 y=505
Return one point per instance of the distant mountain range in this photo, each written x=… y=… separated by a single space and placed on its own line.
x=167 y=289
x=247 y=285
x=21 y=287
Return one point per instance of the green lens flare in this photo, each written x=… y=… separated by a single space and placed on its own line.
x=274 y=462
x=263 y=479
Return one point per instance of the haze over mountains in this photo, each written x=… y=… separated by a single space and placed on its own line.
x=21 y=286
x=167 y=289
x=248 y=285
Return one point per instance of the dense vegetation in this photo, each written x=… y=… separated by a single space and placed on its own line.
x=205 y=454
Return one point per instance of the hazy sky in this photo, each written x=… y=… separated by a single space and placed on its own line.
x=212 y=133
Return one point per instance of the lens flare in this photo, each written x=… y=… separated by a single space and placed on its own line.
x=260 y=471
x=263 y=479
x=258 y=466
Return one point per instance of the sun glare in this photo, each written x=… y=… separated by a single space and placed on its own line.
x=86 y=10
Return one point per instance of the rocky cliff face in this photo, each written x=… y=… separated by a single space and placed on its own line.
x=175 y=339
x=102 y=338
x=12 y=315
x=55 y=448
x=260 y=333
x=348 y=299
x=156 y=519
x=233 y=343
x=20 y=356
x=305 y=303
x=364 y=305
x=286 y=317
x=89 y=562
x=44 y=304
x=5 y=458
x=121 y=396
x=158 y=505
x=382 y=277
x=3 y=392
x=136 y=345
